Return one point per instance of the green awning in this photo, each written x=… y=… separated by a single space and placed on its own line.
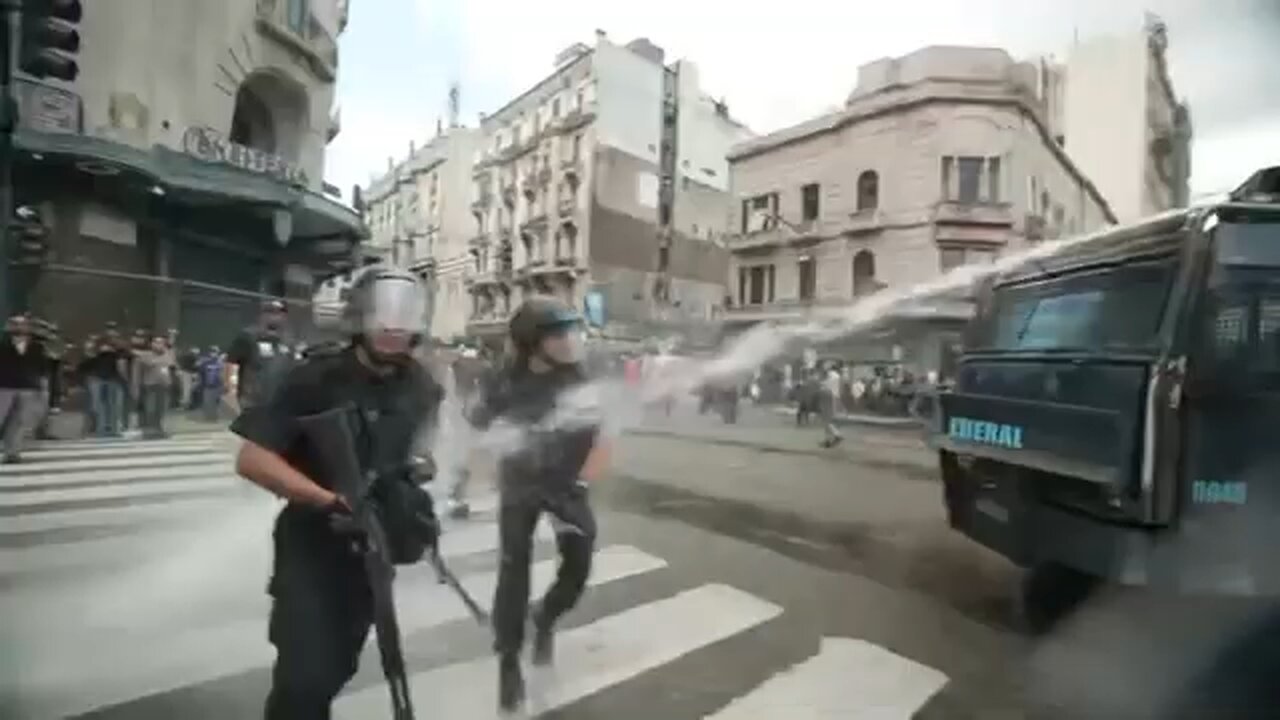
x=178 y=173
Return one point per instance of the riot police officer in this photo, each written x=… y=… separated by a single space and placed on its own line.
x=322 y=605
x=548 y=473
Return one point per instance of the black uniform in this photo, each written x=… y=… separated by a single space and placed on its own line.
x=541 y=477
x=263 y=359
x=322 y=607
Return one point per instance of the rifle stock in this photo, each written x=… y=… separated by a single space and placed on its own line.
x=330 y=436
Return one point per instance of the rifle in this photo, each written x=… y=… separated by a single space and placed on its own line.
x=329 y=433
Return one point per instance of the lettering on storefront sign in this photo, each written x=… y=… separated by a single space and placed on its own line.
x=210 y=146
x=47 y=109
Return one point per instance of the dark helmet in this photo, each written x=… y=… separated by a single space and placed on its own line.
x=537 y=317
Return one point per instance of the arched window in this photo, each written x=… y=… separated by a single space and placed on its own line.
x=868 y=190
x=864 y=273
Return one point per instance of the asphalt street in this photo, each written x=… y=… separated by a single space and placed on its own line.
x=742 y=572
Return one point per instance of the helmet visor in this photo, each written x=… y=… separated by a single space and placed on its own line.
x=396 y=305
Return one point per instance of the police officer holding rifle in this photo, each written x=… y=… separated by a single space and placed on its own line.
x=355 y=409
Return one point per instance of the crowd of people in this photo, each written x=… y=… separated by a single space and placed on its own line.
x=118 y=380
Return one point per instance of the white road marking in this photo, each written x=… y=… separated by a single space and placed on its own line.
x=65 y=676
x=589 y=658
x=175 y=469
x=848 y=679
x=213 y=457
x=217 y=481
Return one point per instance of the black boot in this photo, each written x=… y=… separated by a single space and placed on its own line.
x=510 y=682
x=543 y=640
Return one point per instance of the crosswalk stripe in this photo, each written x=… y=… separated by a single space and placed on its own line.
x=221 y=436
x=104 y=673
x=111 y=517
x=589 y=658
x=115 y=462
x=34 y=457
x=848 y=678
x=204 y=468
x=105 y=492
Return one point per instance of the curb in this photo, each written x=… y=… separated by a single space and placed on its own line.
x=885 y=422
x=918 y=470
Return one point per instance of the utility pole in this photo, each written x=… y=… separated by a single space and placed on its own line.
x=8 y=121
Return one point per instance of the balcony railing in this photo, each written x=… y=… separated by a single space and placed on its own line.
x=307 y=37
x=973 y=213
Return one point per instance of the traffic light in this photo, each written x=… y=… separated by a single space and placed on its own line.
x=49 y=38
x=28 y=238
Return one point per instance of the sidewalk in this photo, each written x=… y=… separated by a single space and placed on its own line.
x=70 y=425
x=889 y=421
x=898 y=448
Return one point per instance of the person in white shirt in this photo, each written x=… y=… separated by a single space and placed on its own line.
x=828 y=405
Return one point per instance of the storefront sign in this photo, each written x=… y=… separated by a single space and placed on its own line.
x=45 y=108
x=210 y=146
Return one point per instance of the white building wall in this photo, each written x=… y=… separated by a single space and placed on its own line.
x=629 y=101
x=1106 y=91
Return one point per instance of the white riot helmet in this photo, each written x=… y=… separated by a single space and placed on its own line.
x=387 y=300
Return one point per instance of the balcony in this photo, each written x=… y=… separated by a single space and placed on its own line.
x=570 y=167
x=480 y=278
x=576 y=118
x=478 y=240
x=509 y=191
x=791 y=309
x=482 y=202
x=335 y=124
x=958 y=213
x=304 y=36
x=757 y=240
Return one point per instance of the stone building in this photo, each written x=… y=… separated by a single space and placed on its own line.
x=419 y=216
x=604 y=184
x=178 y=178
x=939 y=158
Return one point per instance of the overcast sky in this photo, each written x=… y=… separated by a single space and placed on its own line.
x=780 y=63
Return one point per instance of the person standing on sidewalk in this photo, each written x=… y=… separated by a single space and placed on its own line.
x=153 y=367
x=828 y=405
x=22 y=368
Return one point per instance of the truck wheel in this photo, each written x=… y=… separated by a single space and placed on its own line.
x=1047 y=593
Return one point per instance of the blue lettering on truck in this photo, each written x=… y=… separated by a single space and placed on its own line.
x=985 y=432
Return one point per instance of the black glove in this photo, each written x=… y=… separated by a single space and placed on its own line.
x=410 y=517
x=340 y=519
x=422 y=469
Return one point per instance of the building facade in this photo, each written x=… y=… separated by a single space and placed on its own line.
x=419 y=217
x=179 y=177
x=939 y=158
x=1123 y=124
x=604 y=184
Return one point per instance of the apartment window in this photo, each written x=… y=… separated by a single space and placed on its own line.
x=950 y=258
x=807 y=269
x=555 y=107
x=755 y=284
x=868 y=190
x=993 y=179
x=297 y=16
x=809 y=202
x=580 y=101
x=971 y=180
x=577 y=147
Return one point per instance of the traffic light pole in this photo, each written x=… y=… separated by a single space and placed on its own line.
x=8 y=122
